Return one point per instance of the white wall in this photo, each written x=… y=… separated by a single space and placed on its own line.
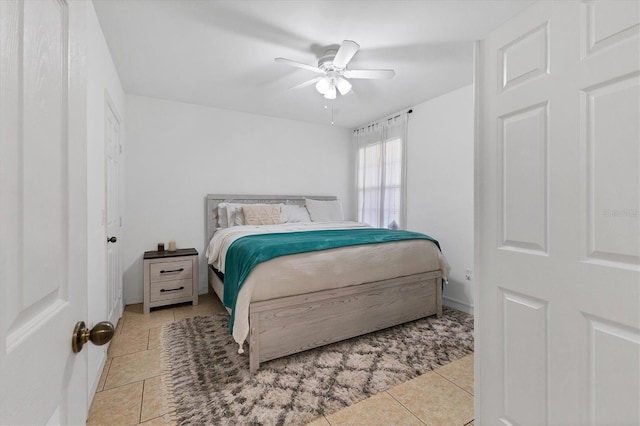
x=101 y=77
x=178 y=153
x=440 y=184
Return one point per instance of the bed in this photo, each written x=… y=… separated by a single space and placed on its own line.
x=284 y=308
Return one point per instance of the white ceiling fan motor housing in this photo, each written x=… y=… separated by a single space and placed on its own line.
x=325 y=62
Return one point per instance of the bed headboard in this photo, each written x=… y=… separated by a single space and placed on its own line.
x=214 y=199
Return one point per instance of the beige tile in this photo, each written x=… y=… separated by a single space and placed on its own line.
x=135 y=322
x=152 y=399
x=469 y=424
x=189 y=311
x=207 y=299
x=158 y=421
x=459 y=372
x=320 y=421
x=103 y=376
x=119 y=406
x=154 y=338
x=207 y=305
x=133 y=367
x=127 y=343
x=133 y=309
x=210 y=299
x=380 y=409
x=435 y=400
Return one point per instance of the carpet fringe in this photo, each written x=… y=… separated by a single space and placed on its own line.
x=168 y=401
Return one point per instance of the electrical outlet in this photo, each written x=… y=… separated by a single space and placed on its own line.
x=467 y=274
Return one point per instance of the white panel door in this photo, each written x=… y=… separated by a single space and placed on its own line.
x=113 y=215
x=43 y=210
x=558 y=251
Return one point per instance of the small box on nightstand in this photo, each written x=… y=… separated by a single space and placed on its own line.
x=170 y=277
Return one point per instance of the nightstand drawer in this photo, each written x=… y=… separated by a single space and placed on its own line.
x=167 y=290
x=168 y=271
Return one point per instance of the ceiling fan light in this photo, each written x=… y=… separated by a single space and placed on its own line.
x=343 y=86
x=331 y=92
x=323 y=85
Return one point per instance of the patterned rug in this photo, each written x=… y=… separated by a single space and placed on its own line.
x=208 y=382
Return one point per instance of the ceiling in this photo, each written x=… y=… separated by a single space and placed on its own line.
x=221 y=52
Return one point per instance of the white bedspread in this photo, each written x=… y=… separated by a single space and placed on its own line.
x=322 y=270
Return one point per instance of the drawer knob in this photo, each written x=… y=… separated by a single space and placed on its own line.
x=171 y=289
x=171 y=271
x=112 y=240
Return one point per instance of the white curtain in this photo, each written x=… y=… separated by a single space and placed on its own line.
x=381 y=170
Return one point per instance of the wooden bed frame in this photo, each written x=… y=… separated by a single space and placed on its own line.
x=292 y=324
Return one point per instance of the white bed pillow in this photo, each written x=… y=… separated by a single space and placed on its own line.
x=222 y=216
x=324 y=211
x=230 y=214
x=290 y=213
x=235 y=216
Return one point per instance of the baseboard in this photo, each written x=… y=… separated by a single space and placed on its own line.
x=457 y=304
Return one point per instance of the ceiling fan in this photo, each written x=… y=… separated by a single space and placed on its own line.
x=333 y=67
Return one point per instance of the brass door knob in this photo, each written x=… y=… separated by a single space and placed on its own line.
x=100 y=334
x=112 y=240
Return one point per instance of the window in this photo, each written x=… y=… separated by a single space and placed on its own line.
x=380 y=172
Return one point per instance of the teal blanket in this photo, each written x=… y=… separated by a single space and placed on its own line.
x=247 y=252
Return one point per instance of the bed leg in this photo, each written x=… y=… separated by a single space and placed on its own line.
x=254 y=364
x=254 y=345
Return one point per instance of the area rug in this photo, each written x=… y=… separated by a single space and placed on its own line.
x=208 y=382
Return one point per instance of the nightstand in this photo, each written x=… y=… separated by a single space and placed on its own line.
x=170 y=277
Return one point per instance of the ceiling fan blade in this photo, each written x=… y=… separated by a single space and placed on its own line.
x=306 y=83
x=347 y=49
x=299 y=65
x=371 y=74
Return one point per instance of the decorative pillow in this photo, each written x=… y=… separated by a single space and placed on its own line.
x=324 y=211
x=261 y=214
x=294 y=214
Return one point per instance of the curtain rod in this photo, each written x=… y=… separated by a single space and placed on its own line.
x=384 y=118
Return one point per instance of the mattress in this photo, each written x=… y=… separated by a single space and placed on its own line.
x=322 y=270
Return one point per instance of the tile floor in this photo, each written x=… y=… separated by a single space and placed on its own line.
x=130 y=389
